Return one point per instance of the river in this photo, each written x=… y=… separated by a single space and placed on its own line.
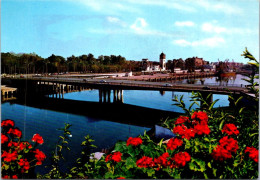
x=106 y=133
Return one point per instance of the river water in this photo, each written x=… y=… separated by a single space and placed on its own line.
x=105 y=133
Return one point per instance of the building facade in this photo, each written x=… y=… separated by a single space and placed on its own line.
x=163 y=61
x=153 y=65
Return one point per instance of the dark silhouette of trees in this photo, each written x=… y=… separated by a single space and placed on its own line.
x=32 y=63
x=190 y=64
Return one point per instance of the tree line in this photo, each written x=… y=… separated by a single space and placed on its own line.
x=23 y=63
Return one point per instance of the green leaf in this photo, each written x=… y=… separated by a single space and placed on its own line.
x=197 y=165
x=214 y=171
x=6 y=167
x=130 y=163
x=240 y=111
x=187 y=144
x=80 y=174
x=253 y=134
x=209 y=165
x=109 y=175
x=212 y=104
x=150 y=172
x=221 y=124
x=119 y=146
x=206 y=139
x=237 y=101
x=205 y=175
x=160 y=143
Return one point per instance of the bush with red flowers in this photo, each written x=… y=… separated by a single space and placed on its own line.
x=18 y=157
x=209 y=143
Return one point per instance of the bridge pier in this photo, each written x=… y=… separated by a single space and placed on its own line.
x=104 y=95
x=118 y=96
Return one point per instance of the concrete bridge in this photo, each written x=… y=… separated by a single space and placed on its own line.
x=56 y=87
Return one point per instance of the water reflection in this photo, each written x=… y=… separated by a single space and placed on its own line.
x=235 y=80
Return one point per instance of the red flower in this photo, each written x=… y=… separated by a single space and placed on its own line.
x=116 y=157
x=7 y=122
x=253 y=153
x=24 y=164
x=145 y=162
x=40 y=156
x=220 y=153
x=181 y=119
x=201 y=116
x=230 y=129
x=108 y=158
x=22 y=145
x=162 y=160
x=201 y=129
x=173 y=143
x=184 y=131
x=14 y=177
x=37 y=138
x=180 y=159
x=224 y=150
x=121 y=178
x=134 y=141
x=14 y=144
x=4 y=138
x=16 y=132
x=27 y=144
x=229 y=143
x=8 y=157
x=5 y=177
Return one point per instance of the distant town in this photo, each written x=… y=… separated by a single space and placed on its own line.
x=33 y=64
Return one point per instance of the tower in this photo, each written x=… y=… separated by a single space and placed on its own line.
x=162 y=61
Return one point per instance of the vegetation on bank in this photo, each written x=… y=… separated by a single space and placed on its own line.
x=209 y=143
x=32 y=63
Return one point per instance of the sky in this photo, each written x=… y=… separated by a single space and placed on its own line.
x=134 y=29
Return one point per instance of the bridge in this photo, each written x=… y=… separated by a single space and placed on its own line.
x=57 y=86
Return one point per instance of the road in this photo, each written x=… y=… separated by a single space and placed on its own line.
x=145 y=85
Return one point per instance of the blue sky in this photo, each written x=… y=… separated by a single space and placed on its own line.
x=135 y=29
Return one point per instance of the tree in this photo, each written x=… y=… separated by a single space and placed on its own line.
x=190 y=64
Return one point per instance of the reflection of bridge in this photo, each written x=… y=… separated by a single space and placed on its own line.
x=122 y=113
x=57 y=86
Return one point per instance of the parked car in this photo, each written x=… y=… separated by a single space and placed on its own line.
x=85 y=80
x=102 y=81
x=167 y=85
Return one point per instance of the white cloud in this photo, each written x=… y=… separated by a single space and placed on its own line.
x=213 y=28
x=113 y=19
x=104 y=6
x=208 y=42
x=208 y=27
x=139 y=25
x=116 y=20
x=165 y=3
x=184 y=23
x=131 y=5
x=219 y=6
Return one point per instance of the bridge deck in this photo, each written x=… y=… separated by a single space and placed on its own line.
x=141 y=85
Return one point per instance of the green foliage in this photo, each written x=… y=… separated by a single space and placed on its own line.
x=32 y=63
x=254 y=85
x=57 y=156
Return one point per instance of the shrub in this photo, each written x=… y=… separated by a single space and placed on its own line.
x=18 y=157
